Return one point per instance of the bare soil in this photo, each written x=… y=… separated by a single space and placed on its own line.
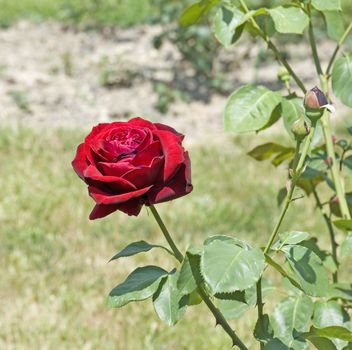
x=52 y=75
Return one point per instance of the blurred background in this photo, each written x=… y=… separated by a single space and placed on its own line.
x=66 y=65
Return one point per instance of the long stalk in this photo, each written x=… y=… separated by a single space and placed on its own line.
x=334 y=166
x=331 y=233
x=272 y=47
x=297 y=169
x=313 y=45
x=338 y=47
x=219 y=317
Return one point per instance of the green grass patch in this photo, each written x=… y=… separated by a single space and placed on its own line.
x=88 y=12
x=53 y=260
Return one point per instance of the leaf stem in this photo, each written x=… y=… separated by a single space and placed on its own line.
x=338 y=47
x=331 y=232
x=219 y=317
x=276 y=51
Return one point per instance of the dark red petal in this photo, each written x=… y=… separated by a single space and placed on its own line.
x=80 y=163
x=93 y=173
x=173 y=152
x=100 y=211
x=102 y=197
x=96 y=130
x=179 y=186
x=139 y=122
x=160 y=126
x=146 y=156
x=115 y=169
x=131 y=207
x=146 y=175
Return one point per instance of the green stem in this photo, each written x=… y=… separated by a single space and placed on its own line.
x=272 y=47
x=334 y=166
x=313 y=45
x=219 y=317
x=296 y=174
x=297 y=169
x=338 y=47
x=166 y=233
x=331 y=232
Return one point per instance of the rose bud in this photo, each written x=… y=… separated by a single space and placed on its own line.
x=300 y=129
x=314 y=103
x=129 y=164
x=283 y=75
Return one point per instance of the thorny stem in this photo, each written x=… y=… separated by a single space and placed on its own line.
x=219 y=317
x=297 y=169
x=331 y=232
x=338 y=47
x=272 y=47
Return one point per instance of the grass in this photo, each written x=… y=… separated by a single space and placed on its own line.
x=90 y=12
x=53 y=260
x=98 y=12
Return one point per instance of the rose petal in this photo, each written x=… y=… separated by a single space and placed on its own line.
x=173 y=152
x=179 y=186
x=160 y=126
x=146 y=175
x=80 y=163
x=115 y=169
x=139 y=122
x=131 y=207
x=146 y=156
x=102 y=197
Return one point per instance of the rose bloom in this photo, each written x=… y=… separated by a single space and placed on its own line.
x=128 y=164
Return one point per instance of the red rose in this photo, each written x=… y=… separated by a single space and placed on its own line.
x=128 y=164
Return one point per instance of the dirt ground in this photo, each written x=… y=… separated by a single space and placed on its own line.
x=53 y=76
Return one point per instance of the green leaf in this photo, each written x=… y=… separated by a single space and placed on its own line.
x=263 y=330
x=337 y=332
x=267 y=150
x=289 y=19
x=328 y=313
x=292 y=237
x=308 y=268
x=342 y=79
x=228 y=25
x=186 y=282
x=345 y=225
x=282 y=271
x=290 y=316
x=281 y=196
x=321 y=343
x=250 y=108
x=292 y=110
x=141 y=284
x=327 y=5
x=232 y=309
x=341 y=291
x=169 y=303
x=239 y=295
x=193 y=13
x=335 y=24
x=346 y=246
x=194 y=256
x=227 y=266
x=136 y=248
